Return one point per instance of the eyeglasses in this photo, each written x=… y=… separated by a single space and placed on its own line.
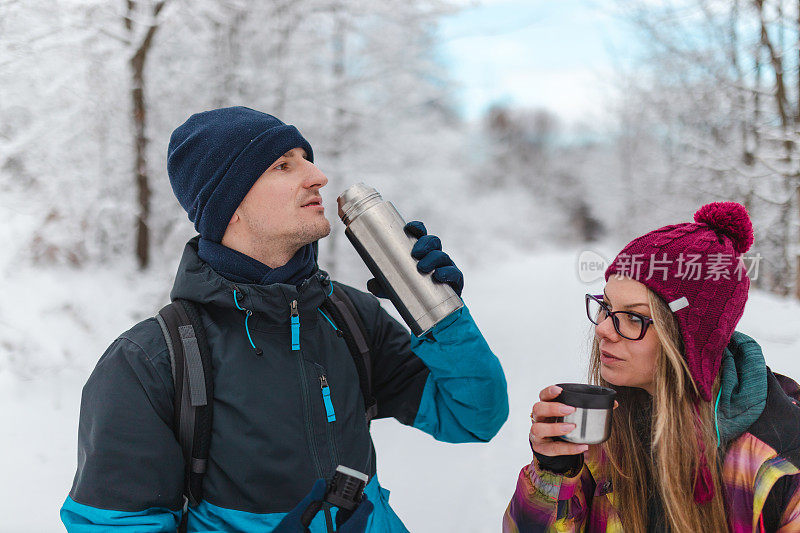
x=628 y=324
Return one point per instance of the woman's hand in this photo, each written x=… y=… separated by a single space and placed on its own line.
x=544 y=427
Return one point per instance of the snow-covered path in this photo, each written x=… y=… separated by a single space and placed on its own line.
x=530 y=309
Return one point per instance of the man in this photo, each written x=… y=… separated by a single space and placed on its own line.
x=248 y=183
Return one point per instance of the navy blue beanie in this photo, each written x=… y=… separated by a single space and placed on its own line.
x=215 y=157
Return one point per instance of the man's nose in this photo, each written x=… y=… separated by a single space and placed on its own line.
x=314 y=176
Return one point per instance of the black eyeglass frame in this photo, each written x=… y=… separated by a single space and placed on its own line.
x=646 y=320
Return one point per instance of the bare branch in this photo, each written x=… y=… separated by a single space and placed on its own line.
x=781 y=99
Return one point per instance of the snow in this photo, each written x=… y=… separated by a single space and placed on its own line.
x=57 y=322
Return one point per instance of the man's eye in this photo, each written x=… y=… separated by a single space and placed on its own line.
x=280 y=166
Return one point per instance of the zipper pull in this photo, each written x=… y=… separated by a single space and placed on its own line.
x=295 y=325
x=237 y=295
x=326 y=398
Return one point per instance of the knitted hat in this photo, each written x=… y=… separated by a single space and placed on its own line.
x=215 y=157
x=697 y=269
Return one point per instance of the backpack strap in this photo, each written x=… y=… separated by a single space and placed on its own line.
x=345 y=315
x=190 y=359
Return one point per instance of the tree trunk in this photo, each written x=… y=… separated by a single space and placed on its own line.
x=140 y=166
x=797 y=183
x=797 y=261
x=139 y=117
x=787 y=117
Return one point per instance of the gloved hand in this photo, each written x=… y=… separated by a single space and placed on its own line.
x=298 y=519
x=354 y=521
x=307 y=508
x=428 y=250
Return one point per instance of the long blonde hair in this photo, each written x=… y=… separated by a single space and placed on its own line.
x=682 y=429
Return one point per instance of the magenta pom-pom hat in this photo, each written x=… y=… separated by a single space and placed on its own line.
x=697 y=269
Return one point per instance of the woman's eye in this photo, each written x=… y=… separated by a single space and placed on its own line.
x=633 y=319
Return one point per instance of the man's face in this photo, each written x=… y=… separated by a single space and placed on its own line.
x=284 y=206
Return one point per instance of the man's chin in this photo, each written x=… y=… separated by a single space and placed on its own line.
x=316 y=233
x=324 y=230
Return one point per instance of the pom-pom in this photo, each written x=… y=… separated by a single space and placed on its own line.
x=728 y=218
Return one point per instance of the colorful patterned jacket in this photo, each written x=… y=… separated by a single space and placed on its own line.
x=759 y=422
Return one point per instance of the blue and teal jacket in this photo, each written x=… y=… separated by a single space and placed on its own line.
x=281 y=420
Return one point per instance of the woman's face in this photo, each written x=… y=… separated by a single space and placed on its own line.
x=624 y=362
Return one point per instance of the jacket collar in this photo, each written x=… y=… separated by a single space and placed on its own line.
x=753 y=401
x=743 y=387
x=242 y=268
x=198 y=282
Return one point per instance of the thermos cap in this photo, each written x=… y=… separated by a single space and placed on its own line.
x=354 y=197
x=586 y=396
x=354 y=473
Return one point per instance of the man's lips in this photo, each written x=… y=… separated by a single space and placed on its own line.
x=314 y=202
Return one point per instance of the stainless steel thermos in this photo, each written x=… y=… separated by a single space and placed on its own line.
x=592 y=416
x=375 y=229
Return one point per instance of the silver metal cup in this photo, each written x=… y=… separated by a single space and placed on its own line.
x=593 y=412
x=375 y=229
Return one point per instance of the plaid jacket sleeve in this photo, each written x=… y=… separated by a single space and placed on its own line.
x=544 y=501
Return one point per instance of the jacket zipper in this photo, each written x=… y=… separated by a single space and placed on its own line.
x=295 y=319
x=326 y=399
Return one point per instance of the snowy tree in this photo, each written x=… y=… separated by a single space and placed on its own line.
x=95 y=88
x=141 y=23
x=530 y=159
x=63 y=144
x=717 y=87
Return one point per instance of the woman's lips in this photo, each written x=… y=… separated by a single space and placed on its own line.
x=606 y=358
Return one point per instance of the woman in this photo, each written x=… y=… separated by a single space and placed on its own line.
x=705 y=437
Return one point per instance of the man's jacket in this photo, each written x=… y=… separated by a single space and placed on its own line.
x=759 y=426
x=271 y=435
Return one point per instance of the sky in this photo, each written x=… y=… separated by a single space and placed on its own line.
x=557 y=54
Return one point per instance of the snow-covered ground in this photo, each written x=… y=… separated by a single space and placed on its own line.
x=56 y=323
